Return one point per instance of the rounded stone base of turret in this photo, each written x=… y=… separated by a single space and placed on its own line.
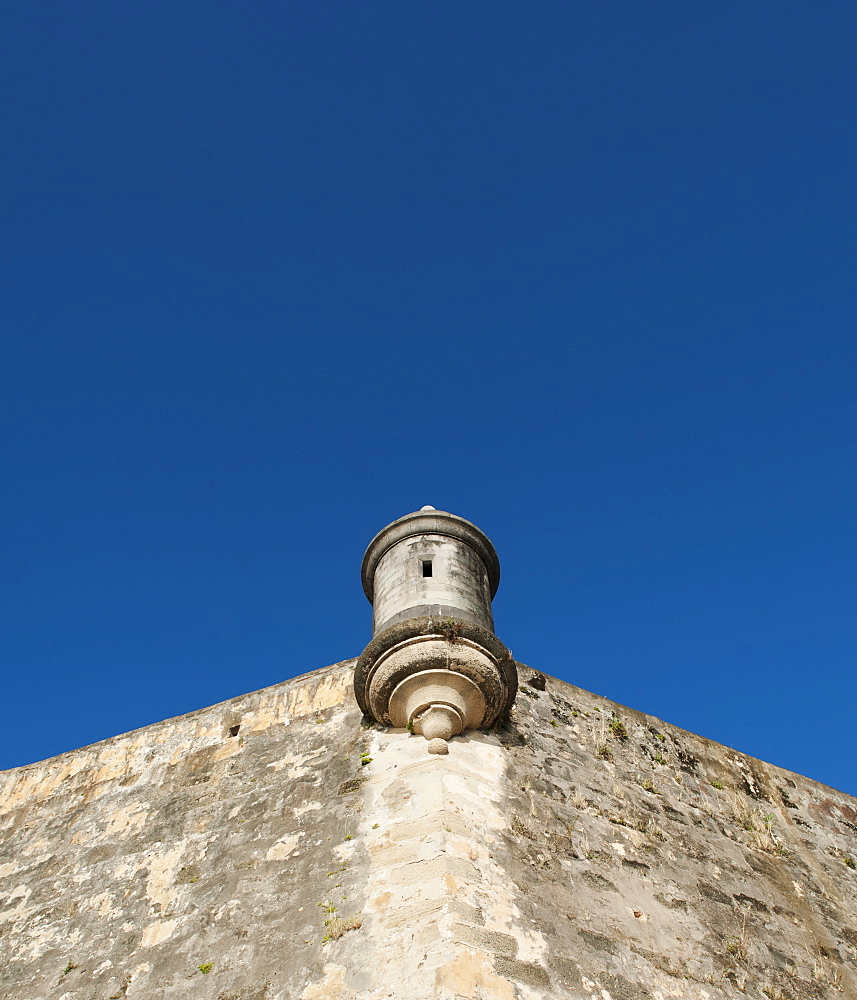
x=437 y=677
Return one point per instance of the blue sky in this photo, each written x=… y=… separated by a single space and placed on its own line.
x=275 y=274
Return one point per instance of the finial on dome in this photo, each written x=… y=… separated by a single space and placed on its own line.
x=428 y=506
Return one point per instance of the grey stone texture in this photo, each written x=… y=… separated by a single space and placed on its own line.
x=496 y=674
x=463 y=577
x=581 y=850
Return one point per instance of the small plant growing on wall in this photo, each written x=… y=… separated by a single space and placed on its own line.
x=337 y=926
x=736 y=949
x=617 y=728
x=451 y=629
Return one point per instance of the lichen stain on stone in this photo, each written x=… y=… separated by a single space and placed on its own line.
x=382 y=901
x=102 y=904
x=158 y=932
x=123 y=823
x=470 y=976
x=296 y=763
x=319 y=694
x=332 y=987
x=159 y=884
x=21 y=893
x=283 y=848
x=138 y=971
x=225 y=750
x=343 y=852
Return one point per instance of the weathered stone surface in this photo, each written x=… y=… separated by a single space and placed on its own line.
x=419 y=645
x=581 y=851
x=430 y=563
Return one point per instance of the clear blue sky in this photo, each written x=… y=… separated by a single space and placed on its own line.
x=275 y=274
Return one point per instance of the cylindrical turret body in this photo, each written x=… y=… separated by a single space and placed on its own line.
x=434 y=663
x=430 y=563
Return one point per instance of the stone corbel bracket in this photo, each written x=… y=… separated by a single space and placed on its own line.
x=436 y=677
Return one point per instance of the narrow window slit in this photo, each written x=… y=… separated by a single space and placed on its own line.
x=233 y=730
x=427 y=567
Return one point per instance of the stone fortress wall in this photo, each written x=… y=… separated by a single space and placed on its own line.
x=279 y=846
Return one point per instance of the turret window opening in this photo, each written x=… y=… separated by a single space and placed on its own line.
x=427 y=567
